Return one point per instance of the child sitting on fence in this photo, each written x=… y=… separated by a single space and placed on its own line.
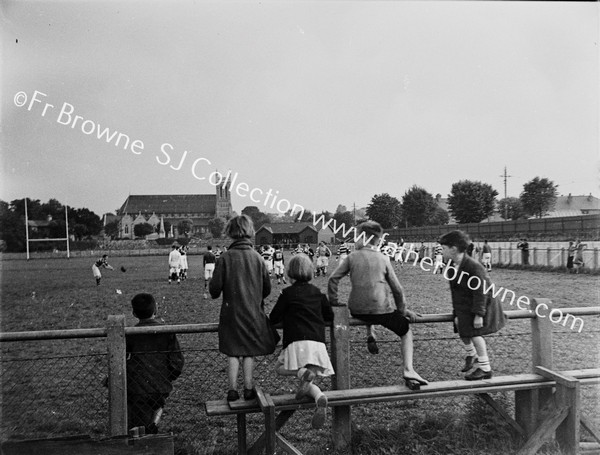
x=476 y=313
x=370 y=275
x=153 y=362
x=303 y=310
x=244 y=329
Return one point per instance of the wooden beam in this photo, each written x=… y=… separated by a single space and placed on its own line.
x=280 y=421
x=544 y=431
x=241 y=433
x=500 y=410
x=341 y=425
x=266 y=404
x=117 y=375
x=287 y=446
x=559 y=377
x=589 y=426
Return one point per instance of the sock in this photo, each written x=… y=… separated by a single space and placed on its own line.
x=470 y=348
x=300 y=372
x=484 y=363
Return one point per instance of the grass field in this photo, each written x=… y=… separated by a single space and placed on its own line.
x=54 y=388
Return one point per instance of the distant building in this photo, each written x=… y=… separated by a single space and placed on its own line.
x=575 y=205
x=40 y=229
x=197 y=209
x=292 y=233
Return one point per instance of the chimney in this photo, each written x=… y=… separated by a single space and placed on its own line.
x=589 y=198
x=569 y=198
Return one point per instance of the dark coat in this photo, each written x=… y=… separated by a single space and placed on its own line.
x=469 y=300
x=242 y=277
x=153 y=361
x=303 y=310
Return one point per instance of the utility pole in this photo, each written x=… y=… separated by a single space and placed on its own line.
x=505 y=182
x=354 y=213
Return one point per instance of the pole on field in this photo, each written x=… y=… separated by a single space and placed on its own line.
x=26 y=229
x=67 y=230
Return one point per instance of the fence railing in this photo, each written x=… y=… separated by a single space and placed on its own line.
x=40 y=402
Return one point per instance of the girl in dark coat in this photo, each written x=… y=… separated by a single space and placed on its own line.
x=476 y=313
x=244 y=329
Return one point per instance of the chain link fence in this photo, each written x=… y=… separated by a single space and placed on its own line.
x=46 y=395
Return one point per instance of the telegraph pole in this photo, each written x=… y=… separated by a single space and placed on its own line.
x=505 y=182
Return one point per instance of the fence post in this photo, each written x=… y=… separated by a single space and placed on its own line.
x=117 y=376
x=534 y=251
x=528 y=402
x=548 y=257
x=340 y=353
x=595 y=258
x=510 y=255
x=562 y=257
x=499 y=261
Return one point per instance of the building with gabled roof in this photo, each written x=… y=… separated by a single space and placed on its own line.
x=288 y=234
x=196 y=209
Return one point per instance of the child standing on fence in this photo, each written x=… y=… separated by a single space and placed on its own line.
x=371 y=274
x=303 y=310
x=153 y=362
x=102 y=262
x=476 y=313
x=244 y=329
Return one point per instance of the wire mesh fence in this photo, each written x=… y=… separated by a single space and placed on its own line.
x=48 y=395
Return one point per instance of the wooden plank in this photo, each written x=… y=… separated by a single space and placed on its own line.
x=558 y=377
x=541 y=336
x=500 y=410
x=544 y=431
x=117 y=375
x=151 y=444
x=567 y=433
x=241 y=433
x=589 y=426
x=280 y=421
x=526 y=406
x=266 y=403
x=287 y=446
x=341 y=421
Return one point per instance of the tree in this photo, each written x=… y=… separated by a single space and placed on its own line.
x=418 y=207
x=258 y=218
x=384 y=209
x=91 y=221
x=341 y=209
x=184 y=227
x=306 y=216
x=439 y=217
x=143 y=229
x=345 y=218
x=539 y=196
x=471 y=201
x=216 y=227
x=112 y=229
x=510 y=208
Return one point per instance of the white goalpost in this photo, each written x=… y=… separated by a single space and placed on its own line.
x=27 y=239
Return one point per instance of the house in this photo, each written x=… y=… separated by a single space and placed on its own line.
x=41 y=229
x=172 y=209
x=292 y=233
x=574 y=206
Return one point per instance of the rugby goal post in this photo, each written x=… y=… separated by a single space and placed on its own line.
x=27 y=239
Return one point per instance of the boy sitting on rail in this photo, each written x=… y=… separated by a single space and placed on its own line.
x=369 y=297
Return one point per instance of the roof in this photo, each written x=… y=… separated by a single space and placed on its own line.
x=169 y=203
x=579 y=203
x=287 y=228
x=39 y=223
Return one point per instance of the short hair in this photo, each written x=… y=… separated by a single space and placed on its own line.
x=105 y=255
x=240 y=227
x=300 y=268
x=143 y=305
x=459 y=239
x=372 y=229
x=209 y=247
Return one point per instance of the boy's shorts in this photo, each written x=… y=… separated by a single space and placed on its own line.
x=279 y=269
x=396 y=321
x=208 y=271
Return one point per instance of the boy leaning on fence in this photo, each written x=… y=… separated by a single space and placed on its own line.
x=154 y=360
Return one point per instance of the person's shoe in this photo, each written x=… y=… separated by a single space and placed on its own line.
x=414 y=383
x=305 y=381
x=478 y=374
x=249 y=394
x=372 y=345
x=320 y=414
x=152 y=428
x=469 y=363
x=233 y=395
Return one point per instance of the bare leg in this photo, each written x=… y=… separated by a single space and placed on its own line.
x=248 y=372
x=233 y=369
x=407 y=356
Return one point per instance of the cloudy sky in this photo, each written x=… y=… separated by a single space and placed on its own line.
x=321 y=102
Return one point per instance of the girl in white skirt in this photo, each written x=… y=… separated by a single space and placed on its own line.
x=303 y=310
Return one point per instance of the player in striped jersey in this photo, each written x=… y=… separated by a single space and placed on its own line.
x=267 y=255
x=342 y=252
x=439 y=258
x=100 y=263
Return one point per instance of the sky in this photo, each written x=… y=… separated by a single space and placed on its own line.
x=323 y=103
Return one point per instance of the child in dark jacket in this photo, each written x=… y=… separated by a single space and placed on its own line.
x=303 y=310
x=153 y=362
